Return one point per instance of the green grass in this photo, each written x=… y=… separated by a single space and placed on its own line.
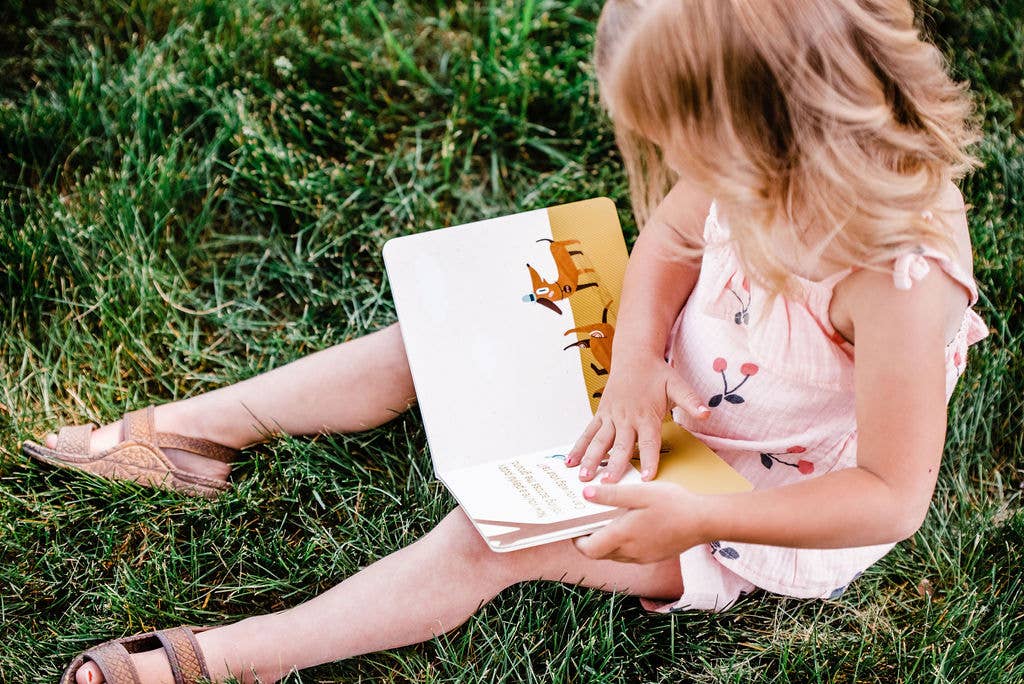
x=192 y=192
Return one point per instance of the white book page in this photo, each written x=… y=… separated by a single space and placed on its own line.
x=535 y=489
x=491 y=375
x=567 y=533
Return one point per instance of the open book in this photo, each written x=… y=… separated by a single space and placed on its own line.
x=508 y=325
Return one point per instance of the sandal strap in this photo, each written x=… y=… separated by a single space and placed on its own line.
x=75 y=438
x=114 y=662
x=138 y=426
x=200 y=447
x=187 y=662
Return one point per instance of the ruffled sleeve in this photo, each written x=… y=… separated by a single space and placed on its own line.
x=914 y=265
x=908 y=268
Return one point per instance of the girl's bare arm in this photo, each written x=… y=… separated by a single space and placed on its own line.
x=901 y=425
x=901 y=422
x=658 y=280
x=640 y=385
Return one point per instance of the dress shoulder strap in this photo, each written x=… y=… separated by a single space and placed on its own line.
x=714 y=231
x=914 y=265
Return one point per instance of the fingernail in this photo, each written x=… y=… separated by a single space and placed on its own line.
x=703 y=411
x=607 y=479
x=584 y=472
x=589 y=492
x=646 y=474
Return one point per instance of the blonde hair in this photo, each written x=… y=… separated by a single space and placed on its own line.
x=814 y=123
x=618 y=17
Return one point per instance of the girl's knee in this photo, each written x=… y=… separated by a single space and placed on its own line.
x=462 y=538
x=467 y=546
x=394 y=349
x=393 y=341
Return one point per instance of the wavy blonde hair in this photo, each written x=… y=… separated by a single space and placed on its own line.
x=816 y=124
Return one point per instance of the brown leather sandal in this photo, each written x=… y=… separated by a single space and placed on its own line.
x=114 y=657
x=139 y=457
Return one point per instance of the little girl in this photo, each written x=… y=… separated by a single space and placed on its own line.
x=828 y=136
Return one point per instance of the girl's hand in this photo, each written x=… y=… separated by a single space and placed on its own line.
x=663 y=520
x=632 y=408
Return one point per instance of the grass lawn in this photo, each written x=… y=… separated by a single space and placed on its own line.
x=194 y=191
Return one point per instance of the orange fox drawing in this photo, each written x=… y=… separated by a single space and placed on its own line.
x=598 y=341
x=567 y=281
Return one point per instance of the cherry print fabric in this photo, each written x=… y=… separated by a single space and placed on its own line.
x=779 y=381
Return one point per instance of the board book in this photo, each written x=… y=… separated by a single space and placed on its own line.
x=508 y=326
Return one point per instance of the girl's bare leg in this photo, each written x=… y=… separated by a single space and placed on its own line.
x=414 y=594
x=351 y=386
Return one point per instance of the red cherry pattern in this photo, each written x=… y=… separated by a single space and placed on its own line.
x=724 y=551
x=958 y=362
x=742 y=316
x=769 y=459
x=837 y=592
x=729 y=393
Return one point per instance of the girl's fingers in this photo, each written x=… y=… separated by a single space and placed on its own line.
x=576 y=453
x=597 y=451
x=619 y=454
x=684 y=396
x=598 y=545
x=649 y=442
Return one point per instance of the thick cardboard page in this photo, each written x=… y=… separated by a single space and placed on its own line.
x=508 y=325
x=494 y=376
x=528 y=500
x=534 y=499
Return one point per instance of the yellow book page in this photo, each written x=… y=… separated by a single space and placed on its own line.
x=581 y=228
x=687 y=461
x=590 y=232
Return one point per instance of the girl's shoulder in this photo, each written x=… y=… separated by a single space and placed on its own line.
x=951 y=290
x=955 y=212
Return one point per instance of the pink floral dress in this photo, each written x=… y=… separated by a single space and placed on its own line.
x=780 y=386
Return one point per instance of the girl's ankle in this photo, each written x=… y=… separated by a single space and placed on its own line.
x=183 y=418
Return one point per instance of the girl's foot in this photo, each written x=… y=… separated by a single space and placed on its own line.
x=172 y=418
x=195 y=652
x=152 y=666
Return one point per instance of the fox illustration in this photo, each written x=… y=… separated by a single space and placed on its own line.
x=598 y=341
x=567 y=281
